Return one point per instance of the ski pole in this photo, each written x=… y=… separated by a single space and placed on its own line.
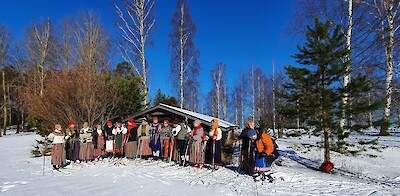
x=213 y=157
x=240 y=157
x=44 y=152
x=138 y=148
x=171 y=150
x=186 y=150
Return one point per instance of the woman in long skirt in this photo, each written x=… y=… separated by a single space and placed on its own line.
x=165 y=137
x=216 y=146
x=119 y=134
x=86 y=148
x=58 y=151
x=144 y=139
x=197 y=149
x=131 y=144
x=73 y=142
x=155 y=143
x=174 y=140
x=99 y=142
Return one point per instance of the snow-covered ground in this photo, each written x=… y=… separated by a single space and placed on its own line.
x=361 y=175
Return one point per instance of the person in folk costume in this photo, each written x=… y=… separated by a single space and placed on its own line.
x=73 y=144
x=197 y=146
x=216 y=136
x=166 y=140
x=174 y=137
x=119 y=133
x=99 y=142
x=263 y=147
x=86 y=148
x=58 y=155
x=181 y=132
x=109 y=138
x=155 y=143
x=131 y=144
x=246 y=157
x=144 y=139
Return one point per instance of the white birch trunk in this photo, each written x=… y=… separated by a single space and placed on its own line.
x=181 y=59
x=4 y=39
x=252 y=94
x=135 y=32
x=346 y=78
x=4 y=101
x=389 y=48
x=273 y=98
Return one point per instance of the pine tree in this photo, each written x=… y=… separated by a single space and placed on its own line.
x=162 y=98
x=314 y=91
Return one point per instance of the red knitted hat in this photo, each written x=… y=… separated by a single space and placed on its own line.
x=71 y=123
x=131 y=120
x=109 y=123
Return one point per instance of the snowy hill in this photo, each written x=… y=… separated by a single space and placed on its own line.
x=361 y=175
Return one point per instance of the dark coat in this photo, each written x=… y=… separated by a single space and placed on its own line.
x=133 y=134
x=108 y=132
x=244 y=138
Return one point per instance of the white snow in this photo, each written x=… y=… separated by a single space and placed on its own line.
x=22 y=175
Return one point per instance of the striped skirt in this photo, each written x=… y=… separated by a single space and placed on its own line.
x=86 y=152
x=144 y=146
x=131 y=149
x=58 y=155
x=197 y=153
x=166 y=147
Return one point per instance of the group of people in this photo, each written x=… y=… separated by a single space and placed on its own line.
x=258 y=151
x=179 y=143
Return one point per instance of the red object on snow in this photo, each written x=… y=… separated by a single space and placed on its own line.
x=327 y=166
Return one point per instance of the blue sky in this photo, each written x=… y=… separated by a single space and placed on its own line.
x=238 y=33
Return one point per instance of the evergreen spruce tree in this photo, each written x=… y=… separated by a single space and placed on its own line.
x=313 y=92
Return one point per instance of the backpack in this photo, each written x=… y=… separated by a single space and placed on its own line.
x=275 y=152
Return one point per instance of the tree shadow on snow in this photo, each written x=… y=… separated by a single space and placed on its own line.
x=292 y=155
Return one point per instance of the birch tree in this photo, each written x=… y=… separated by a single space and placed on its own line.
x=346 y=77
x=4 y=45
x=236 y=99
x=387 y=14
x=42 y=53
x=253 y=92
x=184 y=57
x=65 y=47
x=218 y=91
x=91 y=42
x=136 y=22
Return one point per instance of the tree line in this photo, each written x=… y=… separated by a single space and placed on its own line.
x=63 y=71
